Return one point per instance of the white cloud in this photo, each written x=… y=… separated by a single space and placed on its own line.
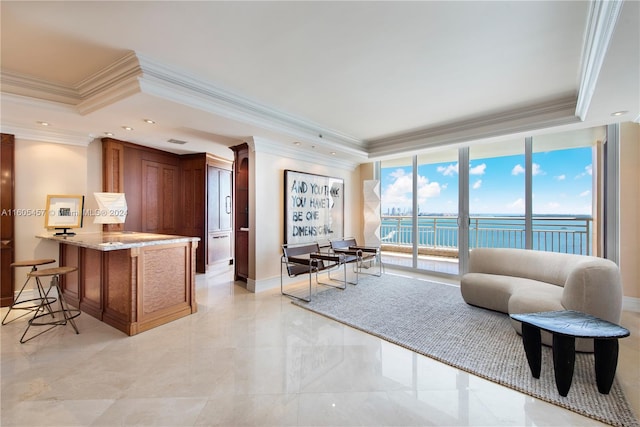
x=536 y=170
x=427 y=189
x=477 y=184
x=516 y=206
x=449 y=170
x=585 y=193
x=561 y=177
x=398 y=194
x=553 y=205
x=477 y=170
x=517 y=170
x=397 y=173
x=588 y=170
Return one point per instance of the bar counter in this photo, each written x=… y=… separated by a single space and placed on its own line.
x=131 y=281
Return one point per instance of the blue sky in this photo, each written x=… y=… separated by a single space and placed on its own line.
x=561 y=185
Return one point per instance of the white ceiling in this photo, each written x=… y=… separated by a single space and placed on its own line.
x=361 y=79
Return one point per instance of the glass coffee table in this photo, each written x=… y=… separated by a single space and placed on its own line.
x=566 y=326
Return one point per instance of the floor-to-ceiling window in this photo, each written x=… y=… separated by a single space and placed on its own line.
x=497 y=196
x=437 y=215
x=563 y=196
x=421 y=231
x=397 y=206
x=535 y=193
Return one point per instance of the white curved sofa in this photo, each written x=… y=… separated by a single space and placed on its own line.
x=527 y=281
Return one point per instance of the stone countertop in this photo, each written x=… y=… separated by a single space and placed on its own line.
x=116 y=240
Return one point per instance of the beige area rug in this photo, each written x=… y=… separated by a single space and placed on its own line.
x=432 y=319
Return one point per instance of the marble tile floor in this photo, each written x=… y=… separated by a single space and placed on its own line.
x=255 y=360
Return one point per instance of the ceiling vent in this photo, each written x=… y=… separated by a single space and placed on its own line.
x=177 y=141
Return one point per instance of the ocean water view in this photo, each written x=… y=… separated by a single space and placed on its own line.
x=561 y=233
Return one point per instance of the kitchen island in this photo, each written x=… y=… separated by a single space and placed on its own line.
x=131 y=281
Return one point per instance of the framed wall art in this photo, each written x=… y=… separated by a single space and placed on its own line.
x=313 y=207
x=64 y=212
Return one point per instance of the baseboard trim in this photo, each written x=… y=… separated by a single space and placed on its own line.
x=631 y=304
x=268 y=284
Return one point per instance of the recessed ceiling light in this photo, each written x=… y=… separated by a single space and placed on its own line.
x=108 y=133
x=127 y=128
x=296 y=143
x=151 y=122
x=43 y=123
x=333 y=153
x=619 y=113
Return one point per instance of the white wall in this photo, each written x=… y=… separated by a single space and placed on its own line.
x=630 y=208
x=50 y=168
x=267 y=210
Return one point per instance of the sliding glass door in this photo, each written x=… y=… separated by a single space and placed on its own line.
x=437 y=215
x=397 y=206
x=497 y=195
x=420 y=212
x=528 y=193
x=563 y=185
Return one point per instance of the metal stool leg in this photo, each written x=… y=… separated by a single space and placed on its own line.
x=68 y=314
x=37 y=315
x=64 y=307
x=29 y=308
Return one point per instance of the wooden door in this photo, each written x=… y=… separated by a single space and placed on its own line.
x=241 y=211
x=159 y=197
x=7 y=229
x=193 y=206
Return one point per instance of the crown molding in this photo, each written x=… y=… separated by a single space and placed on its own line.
x=169 y=83
x=135 y=73
x=42 y=134
x=37 y=132
x=124 y=69
x=108 y=96
x=601 y=23
x=109 y=85
x=544 y=115
x=22 y=85
x=263 y=145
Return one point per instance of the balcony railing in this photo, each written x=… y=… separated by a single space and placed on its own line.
x=439 y=234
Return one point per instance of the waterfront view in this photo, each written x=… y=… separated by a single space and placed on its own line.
x=560 y=195
x=438 y=235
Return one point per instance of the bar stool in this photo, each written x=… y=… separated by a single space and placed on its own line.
x=23 y=305
x=68 y=314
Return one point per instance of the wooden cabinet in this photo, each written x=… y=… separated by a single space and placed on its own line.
x=7 y=205
x=193 y=203
x=167 y=193
x=112 y=173
x=241 y=211
x=206 y=207
x=160 y=193
x=132 y=289
x=151 y=182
